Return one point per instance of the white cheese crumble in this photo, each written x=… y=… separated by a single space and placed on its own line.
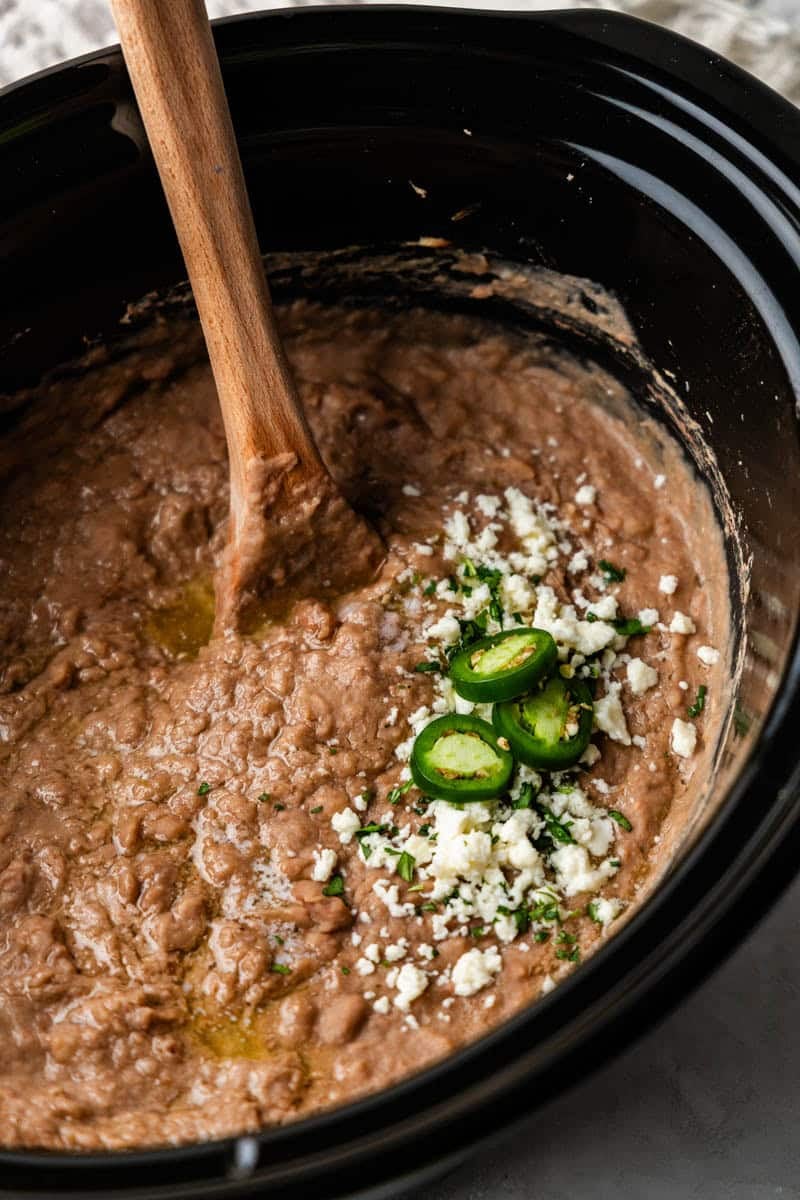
x=680 y=623
x=324 y=863
x=345 y=823
x=708 y=655
x=609 y=715
x=488 y=505
x=683 y=738
x=604 y=910
x=575 y=870
x=641 y=677
x=381 y=1005
x=446 y=630
x=411 y=982
x=410 y=490
x=668 y=584
x=474 y=970
x=586 y=495
x=659 y=481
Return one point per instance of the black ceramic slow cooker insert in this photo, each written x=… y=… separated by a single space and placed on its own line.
x=585 y=142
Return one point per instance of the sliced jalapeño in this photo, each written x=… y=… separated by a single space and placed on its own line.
x=459 y=758
x=550 y=728
x=503 y=666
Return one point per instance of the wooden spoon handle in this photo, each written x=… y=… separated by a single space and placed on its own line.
x=172 y=61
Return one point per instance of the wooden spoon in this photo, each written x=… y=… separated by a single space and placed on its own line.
x=288 y=520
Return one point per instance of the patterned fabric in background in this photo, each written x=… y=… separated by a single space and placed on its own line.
x=763 y=36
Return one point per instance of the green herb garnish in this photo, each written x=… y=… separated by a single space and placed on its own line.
x=427 y=667
x=573 y=956
x=525 y=798
x=334 y=887
x=280 y=969
x=397 y=793
x=611 y=573
x=700 y=702
x=406 y=865
x=621 y=819
x=279 y=807
x=373 y=827
x=557 y=830
x=318 y=809
x=204 y=789
x=630 y=626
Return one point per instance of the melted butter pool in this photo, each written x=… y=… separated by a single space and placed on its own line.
x=184 y=627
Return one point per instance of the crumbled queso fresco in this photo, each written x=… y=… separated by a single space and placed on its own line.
x=509 y=868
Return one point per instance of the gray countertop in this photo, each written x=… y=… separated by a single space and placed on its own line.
x=703 y=1106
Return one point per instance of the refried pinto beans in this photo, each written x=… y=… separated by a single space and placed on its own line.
x=223 y=904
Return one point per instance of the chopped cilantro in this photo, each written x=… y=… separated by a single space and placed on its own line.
x=573 y=955
x=478 y=931
x=557 y=830
x=424 y=830
x=621 y=819
x=425 y=668
x=278 y=938
x=592 y=617
x=615 y=862
x=332 y=750
x=541 y=936
x=521 y=915
x=345 y=970
x=591 y=909
x=545 y=910
x=279 y=807
x=264 y=797
x=430 y=588
x=493 y=579
x=397 y=793
x=518 y=618
x=611 y=573
x=569 y=938
x=373 y=827
x=318 y=809
x=280 y=969
x=429 y=907
x=204 y=789
x=630 y=626
x=525 y=798
x=471 y=631
x=700 y=702
x=335 y=886
x=406 y=865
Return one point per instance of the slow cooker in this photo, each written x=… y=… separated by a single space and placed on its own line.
x=584 y=142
